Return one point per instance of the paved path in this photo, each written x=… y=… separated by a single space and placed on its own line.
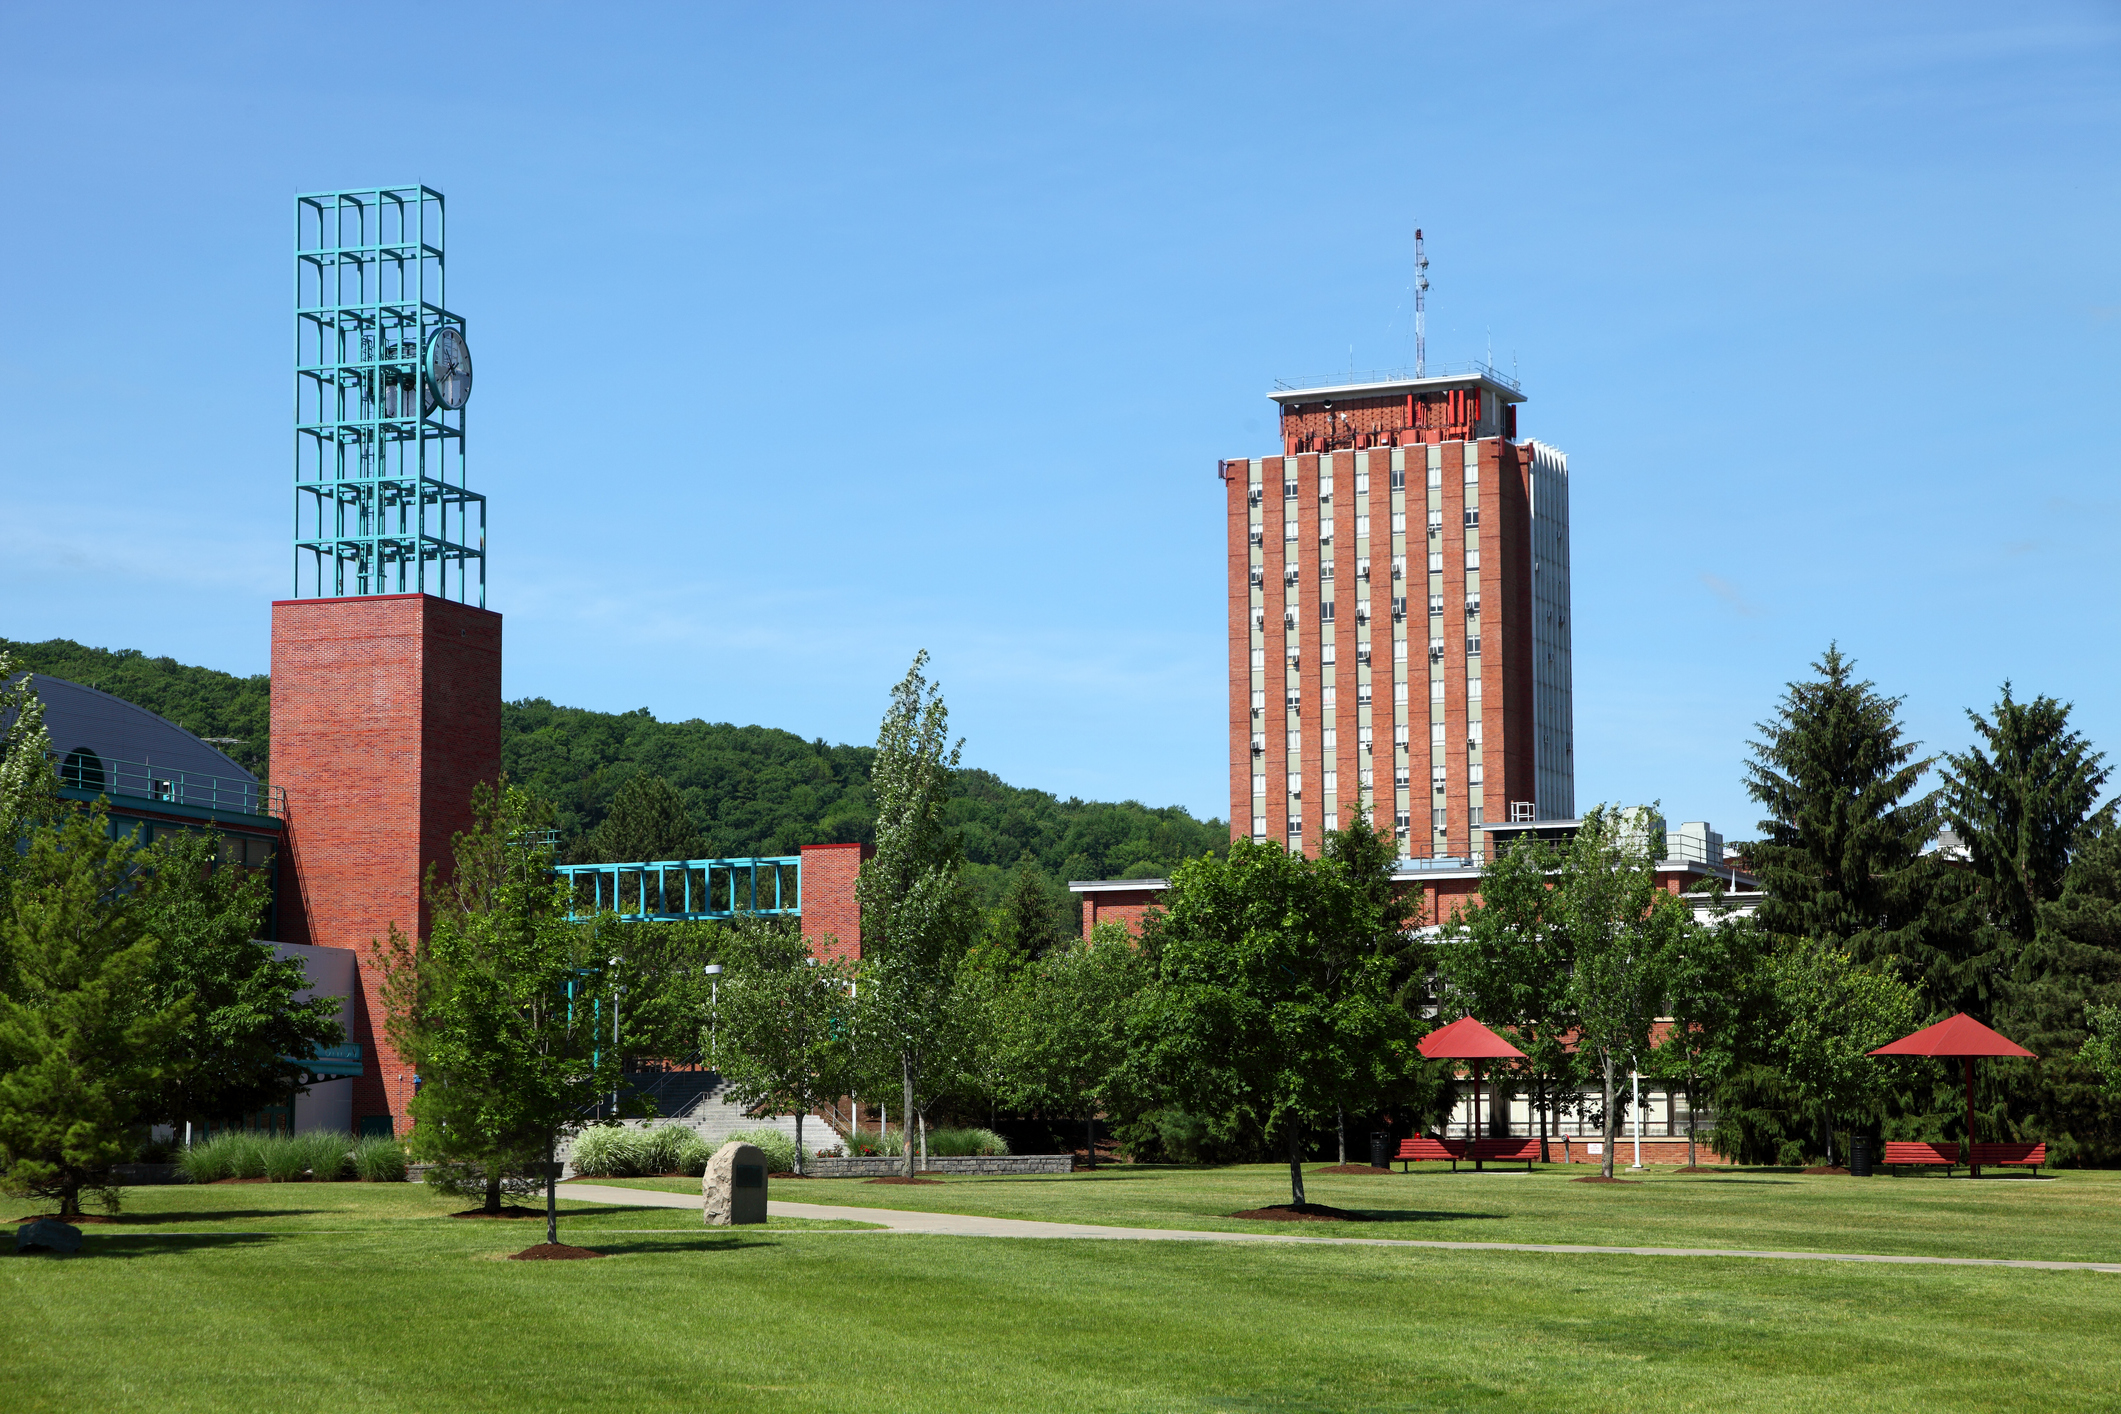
x=964 y=1225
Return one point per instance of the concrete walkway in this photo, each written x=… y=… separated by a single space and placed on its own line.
x=964 y=1225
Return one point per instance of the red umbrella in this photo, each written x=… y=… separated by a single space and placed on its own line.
x=1966 y=1038
x=1467 y=1039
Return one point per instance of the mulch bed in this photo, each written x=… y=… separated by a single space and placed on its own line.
x=510 y=1210
x=1601 y=1178
x=905 y=1180
x=552 y=1252
x=1302 y=1213
x=54 y=1217
x=1353 y=1168
x=1828 y=1169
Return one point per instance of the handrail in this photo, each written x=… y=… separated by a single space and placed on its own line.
x=142 y=780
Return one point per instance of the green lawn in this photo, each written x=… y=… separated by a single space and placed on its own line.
x=2075 y=1216
x=336 y=1297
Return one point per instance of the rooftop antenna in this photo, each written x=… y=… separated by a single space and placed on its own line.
x=1421 y=307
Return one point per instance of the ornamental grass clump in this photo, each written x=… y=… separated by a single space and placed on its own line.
x=980 y=1143
x=207 y=1162
x=328 y=1153
x=778 y=1148
x=605 y=1151
x=378 y=1160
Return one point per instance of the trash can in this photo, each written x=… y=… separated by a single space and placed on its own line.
x=1380 y=1150
x=1860 y=1155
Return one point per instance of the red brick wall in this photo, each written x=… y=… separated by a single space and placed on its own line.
x=1236 y=488
x=832 y=921
x=386 y=710
x=1126 y=906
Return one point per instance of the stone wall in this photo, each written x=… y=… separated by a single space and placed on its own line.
x=888 y=1167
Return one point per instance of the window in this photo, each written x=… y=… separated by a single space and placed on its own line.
x=1362 y=570
x=1435 y=605
x=1362 y=483
x=1296 y=826
x=1259 y=702
x=1331 y=743
x=1472 y=557
x=1473 y=774
x=1399 y=607
x=1399 y=736
x=1325 y=573
x=1296 y=785
x=1252 y=498
x=1288 y=489
x=1325 y=532
x=1365 y=778
x=1472 y=645
x=1399 y=522
x=1362 y=737
x=1435 y=521
x=1399 y=649
x=1473 y=607
x=1362 y=527
x=1288 y=530
x=1259 y=576
x=1436 y=734
x=1400 y=819
x=1325 y=698
x=1435 y=650
x=1399 y=567
x=1259 y=535
x=1259 y=785
x=1399 y=692
x=1438 y=821
x=1259 y=743
x=1293 y=700
x=1472 y=517
x=1362 y=694
x=1473 y=731
x=1296 y=742
x=1399 y=478
x=1436 y=471
x=1476 y=816
x=1288 y=577
x=1402 y=776
x=1437 y=778
x=1435 y=562
x=1436 y=689
x=1259 y=618
x=1288 y=619
x=1362 y=611
x=1259 y=659
x=1332 y=782
x=1325 y=487
x=1362 y=650
x=1325 y=655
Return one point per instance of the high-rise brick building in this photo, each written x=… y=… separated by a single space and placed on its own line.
x=1399 y=617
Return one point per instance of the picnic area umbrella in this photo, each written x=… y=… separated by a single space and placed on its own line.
x=1467 y=1039
x=1965 y=1038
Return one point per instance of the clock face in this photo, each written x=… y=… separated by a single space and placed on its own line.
x=448 y=369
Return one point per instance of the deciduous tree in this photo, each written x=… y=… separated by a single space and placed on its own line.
x=786 y=1023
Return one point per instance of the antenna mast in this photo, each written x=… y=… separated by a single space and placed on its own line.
x=1421 y=307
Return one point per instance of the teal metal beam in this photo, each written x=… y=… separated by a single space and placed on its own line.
x=688 y=890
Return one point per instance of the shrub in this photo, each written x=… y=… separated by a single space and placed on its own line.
x=378 y=1160
x=984 y=1143
x=208 y=1162
x=778 y=1148
x=669 y=1148
x=604 y=1151
x=870 y=1144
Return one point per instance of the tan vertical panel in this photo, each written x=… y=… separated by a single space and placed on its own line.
x=1310 y=761
x=1236 y=478
x=1272 y=723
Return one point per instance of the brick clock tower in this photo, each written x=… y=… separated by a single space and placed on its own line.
x=386 y=663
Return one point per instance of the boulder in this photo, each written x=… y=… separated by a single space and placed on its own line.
x=48 y=1235
x=734 y=1187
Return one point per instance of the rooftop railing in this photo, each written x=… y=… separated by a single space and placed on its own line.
x=688 y=890
x=1471 y=368
x=91 y=774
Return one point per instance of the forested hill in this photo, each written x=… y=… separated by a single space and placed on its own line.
x=748 y=790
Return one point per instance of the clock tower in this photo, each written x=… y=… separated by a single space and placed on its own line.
x=386 y=663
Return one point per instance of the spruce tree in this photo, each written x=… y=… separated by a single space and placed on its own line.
x=647 y=821
x=83 y=1039
x=1028 y=921
x=1841 y=853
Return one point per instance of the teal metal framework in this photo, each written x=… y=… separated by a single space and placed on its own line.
x=688 y=890
x=381 y=504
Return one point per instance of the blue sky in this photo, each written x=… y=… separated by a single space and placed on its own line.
x=810 y=336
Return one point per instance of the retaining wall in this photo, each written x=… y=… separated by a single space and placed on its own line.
x=891 y=1167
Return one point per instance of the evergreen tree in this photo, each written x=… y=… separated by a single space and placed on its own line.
x=2018 y=806
x=917 y=918
x=647 y=821
x=26 y=777
x=83 y=1039
x=1028 y=922
x=231 y=1055
x=1841 y=856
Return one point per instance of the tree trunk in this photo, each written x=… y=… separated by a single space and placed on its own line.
x=799 y=1142
x=493 y=1189
x=1829 y=1136
x=70 y=1202
x=905 y=1117
x=1605 y=1157
x=1342 y=1115
x=1090 y=1142
x=552 y=1195
x=1296 y=1164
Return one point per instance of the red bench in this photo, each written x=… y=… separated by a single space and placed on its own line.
x=1421 y=1146
x=2029 y=1155
x=1508 y=1151
x=1906 y=1153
